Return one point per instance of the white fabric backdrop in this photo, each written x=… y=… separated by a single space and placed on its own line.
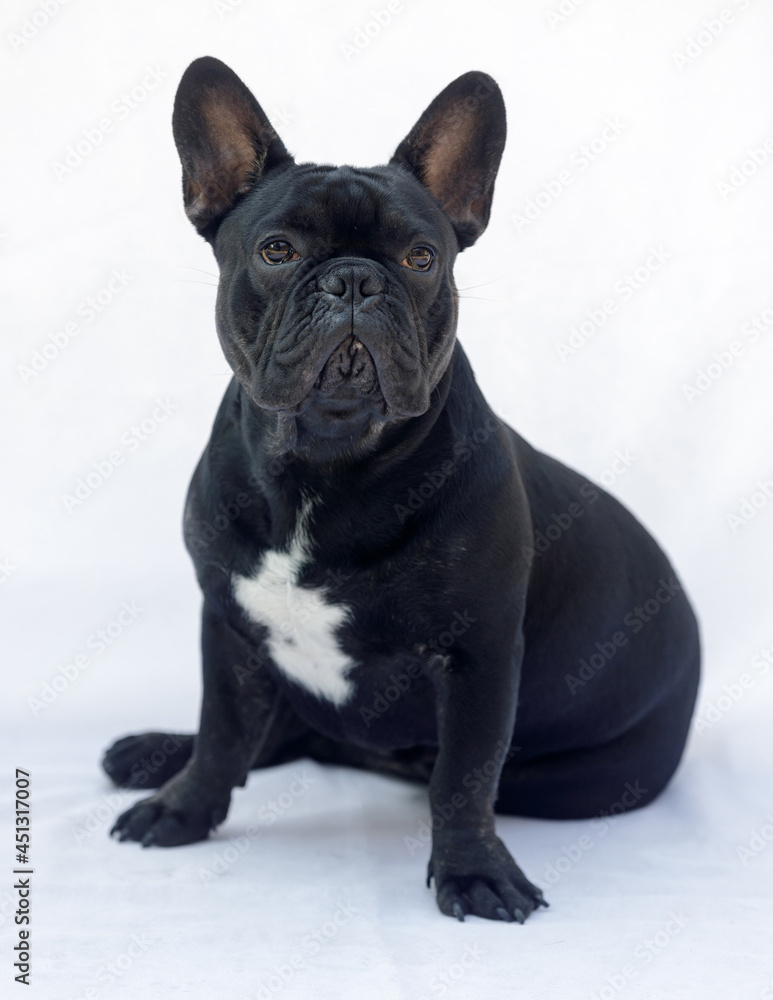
x=107 y=303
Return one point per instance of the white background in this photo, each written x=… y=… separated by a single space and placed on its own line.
x=69 y=571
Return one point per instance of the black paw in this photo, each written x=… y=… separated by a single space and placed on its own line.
x=475 y=873
x=153 y=822
x=147 y=760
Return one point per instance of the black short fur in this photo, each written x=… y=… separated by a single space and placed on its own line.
x=518 y=638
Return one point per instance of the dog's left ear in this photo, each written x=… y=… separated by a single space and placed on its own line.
x=454 y=149
x=225 y=141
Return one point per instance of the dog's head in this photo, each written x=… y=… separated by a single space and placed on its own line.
x=336 y=304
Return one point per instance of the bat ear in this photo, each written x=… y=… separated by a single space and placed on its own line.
x=454 y=149
x=224 y=139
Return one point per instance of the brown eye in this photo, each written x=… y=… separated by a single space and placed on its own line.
x=419 y=259
x=279 y=252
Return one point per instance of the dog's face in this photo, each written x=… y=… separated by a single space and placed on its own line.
x=336 y=305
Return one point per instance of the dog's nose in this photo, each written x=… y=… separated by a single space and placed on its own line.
x=333 y=284
x=357 y=281
x=371 y=284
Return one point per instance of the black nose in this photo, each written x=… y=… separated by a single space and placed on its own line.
x=351 y=281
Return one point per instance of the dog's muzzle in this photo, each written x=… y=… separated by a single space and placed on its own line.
x=349 y=372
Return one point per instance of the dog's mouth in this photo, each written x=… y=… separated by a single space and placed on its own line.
x=352 y=383
x=346 y=397
x=349 y=374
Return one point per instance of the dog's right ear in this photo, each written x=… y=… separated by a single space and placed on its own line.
x=225 y=141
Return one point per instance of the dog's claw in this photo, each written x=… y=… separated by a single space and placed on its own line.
x=502 y=913
x=541 y=901
x=519 y=915
x=458 y=912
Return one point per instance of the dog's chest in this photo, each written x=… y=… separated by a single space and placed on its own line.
x=302 y=623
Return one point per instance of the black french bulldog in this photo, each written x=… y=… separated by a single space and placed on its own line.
x=393 y=579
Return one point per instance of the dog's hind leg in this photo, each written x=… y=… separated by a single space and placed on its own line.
x=626 y=773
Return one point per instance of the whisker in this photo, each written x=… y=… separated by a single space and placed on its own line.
x=481 y=285
x=189 y=268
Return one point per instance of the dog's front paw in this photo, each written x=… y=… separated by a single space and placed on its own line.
x=475 y=873
x=156 y=822
x=147 y=760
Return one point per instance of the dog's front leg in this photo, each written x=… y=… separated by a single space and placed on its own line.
x=473 y=870
x=242 y=717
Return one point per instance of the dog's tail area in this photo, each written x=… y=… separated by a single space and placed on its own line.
x=147 y=760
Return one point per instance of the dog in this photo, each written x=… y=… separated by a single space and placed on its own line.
x=393 y=578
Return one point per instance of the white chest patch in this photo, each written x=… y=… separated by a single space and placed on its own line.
x=301 y=623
